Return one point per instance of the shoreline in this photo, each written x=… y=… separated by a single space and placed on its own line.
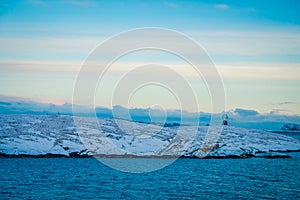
x=3 y=155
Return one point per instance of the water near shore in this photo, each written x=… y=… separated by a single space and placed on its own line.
x=87 y=178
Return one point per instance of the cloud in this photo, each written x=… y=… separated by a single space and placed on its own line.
x=172 y=5
x=81 y=3
x=257 y=71
x=281 y=112
x=284 y=103
x=267 y=42
x=38 y=2
x=222 y=6
x=260 y=71
x=17 y=100
x=245 y=112
x=236 y=45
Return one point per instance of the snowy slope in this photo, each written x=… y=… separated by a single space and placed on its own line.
x=55 y=134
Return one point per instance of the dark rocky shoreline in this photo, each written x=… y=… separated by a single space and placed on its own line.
x=76 y=155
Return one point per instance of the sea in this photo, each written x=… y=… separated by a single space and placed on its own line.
x=87 y=178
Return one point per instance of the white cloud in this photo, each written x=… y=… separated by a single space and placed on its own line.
x=251 y=72
x=260 y=72
x=81 y=3
x=38 y=2
x=48 y=44
x=17 y=67
x=284 y=103
x=281 y=112
x=245 y=112
x=172 y=5
x=221 y=43
x=249 y=43
x=221 y=6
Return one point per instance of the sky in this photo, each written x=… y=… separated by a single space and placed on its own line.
x=254 y=45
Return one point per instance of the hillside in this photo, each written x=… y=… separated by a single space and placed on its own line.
x=57 y=135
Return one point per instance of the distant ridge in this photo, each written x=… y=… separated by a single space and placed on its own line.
x=245 y=118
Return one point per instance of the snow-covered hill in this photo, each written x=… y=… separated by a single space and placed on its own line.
x=56 y=135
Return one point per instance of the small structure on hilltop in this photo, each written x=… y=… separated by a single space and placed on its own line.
x=225 y=119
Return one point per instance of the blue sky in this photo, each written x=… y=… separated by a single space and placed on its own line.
x=255 y=45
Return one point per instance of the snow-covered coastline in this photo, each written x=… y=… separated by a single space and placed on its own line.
x=57 y=136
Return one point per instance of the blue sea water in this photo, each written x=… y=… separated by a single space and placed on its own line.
x=87 y=178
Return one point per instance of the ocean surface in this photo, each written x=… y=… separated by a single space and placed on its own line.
x=87 y=178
